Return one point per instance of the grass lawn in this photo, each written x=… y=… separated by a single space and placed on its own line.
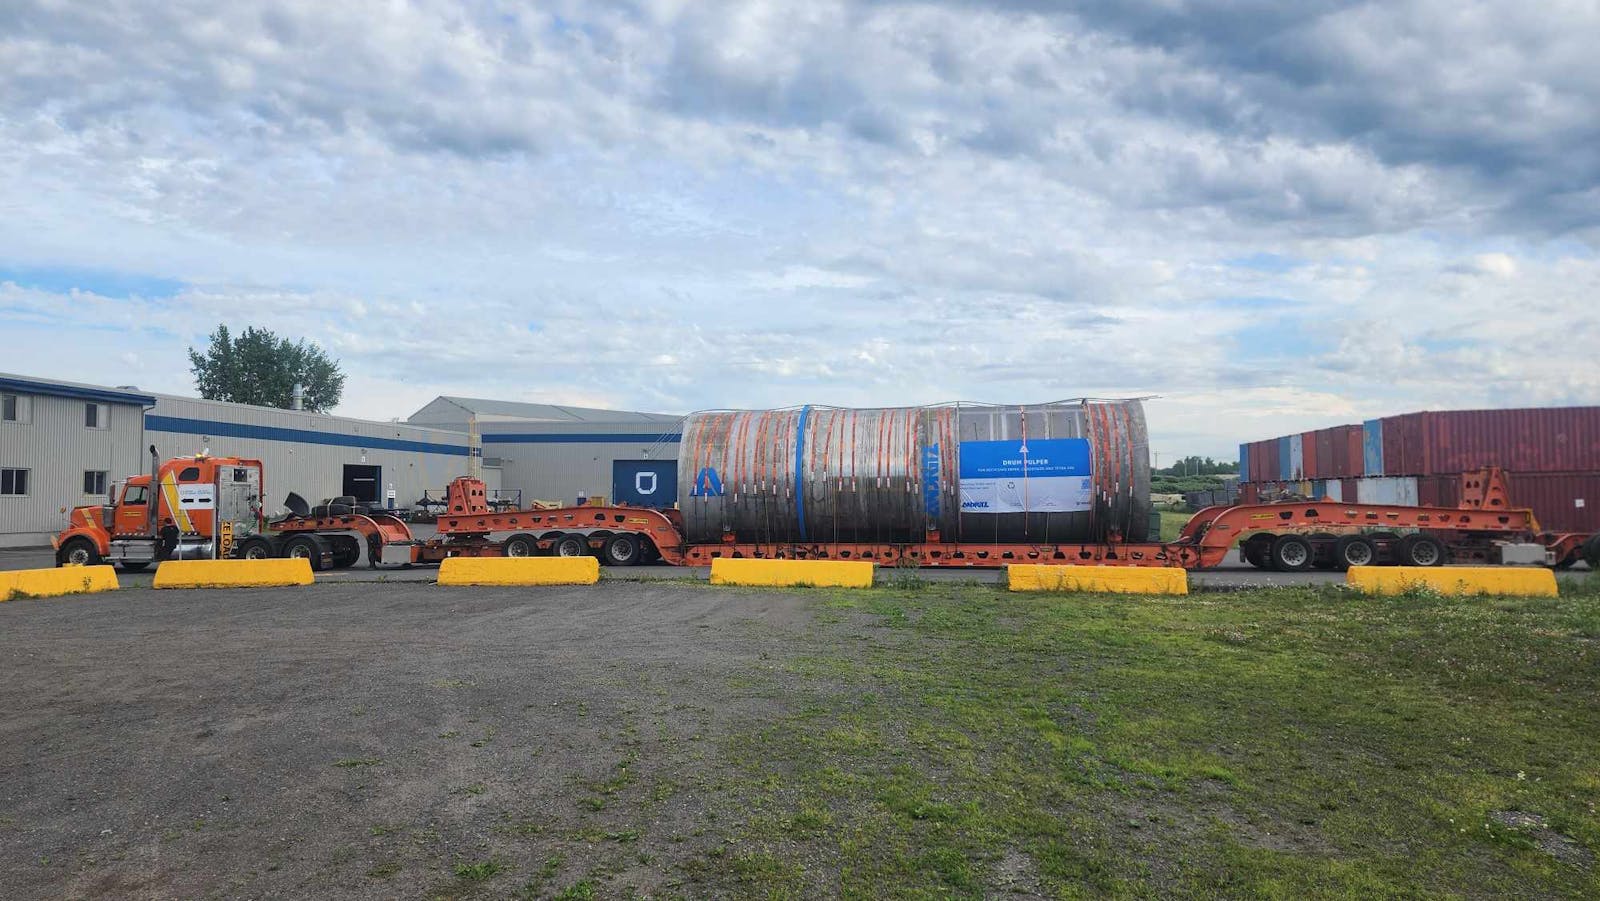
x=1172 y=522
x=1291 y=743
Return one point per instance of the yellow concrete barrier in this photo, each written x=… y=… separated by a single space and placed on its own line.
x=1454 y=580
x=1112 y=579
x=48 y=583
x=233 y=573
x=519 y=571
x=818 y=573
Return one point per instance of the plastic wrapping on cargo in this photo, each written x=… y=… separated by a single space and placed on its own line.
x=1069 y=471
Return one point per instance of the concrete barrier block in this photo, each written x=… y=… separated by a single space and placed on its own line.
x=1097 y=579
x=49 y=583
x=519 y=571
x=818 y=573
x=233 y=573
x=1454 y=580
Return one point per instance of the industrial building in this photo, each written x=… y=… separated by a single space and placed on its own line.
x=558 y=453
x=63 y=444
x=1551 y=456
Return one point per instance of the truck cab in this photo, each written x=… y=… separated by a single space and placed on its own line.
x=187 y=508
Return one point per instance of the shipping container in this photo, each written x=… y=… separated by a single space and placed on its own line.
x=1372 y=447
x=1557 y=439
x=1308 y=455
x=1249 y=494
x=1330 y=489
x=1244 y=463
x=1398 y=491
x=1296 y=469
x=1269 y=462
x=1562 y=501
x=1324 y=467
x=1352 y=465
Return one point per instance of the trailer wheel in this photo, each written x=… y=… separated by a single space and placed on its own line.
x=253 y=549
x=1591 y=552
x=520 y=545
x=1292 y=554
x=305 y=547
x=621 y=550
x=1354 y=550
x=1257 y=551
x=1422 y=550
x=78 y=551
x=570 y=546
x=346 y=551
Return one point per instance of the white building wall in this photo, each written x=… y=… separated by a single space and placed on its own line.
x=56 y=448
x=555 y=461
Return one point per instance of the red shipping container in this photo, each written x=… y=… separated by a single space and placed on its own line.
x=1325 y=468
x=1404 y=445
x=1555 y=498
x=1539 y=439
x=1355 y=453
x=1271 y=468
x=1248 y=494
x=1350 y=490
x=1438 y=491
x=1308 y=455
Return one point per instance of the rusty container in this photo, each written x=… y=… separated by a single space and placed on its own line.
x=1064 y=472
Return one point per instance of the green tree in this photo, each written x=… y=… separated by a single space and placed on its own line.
x=260 y=368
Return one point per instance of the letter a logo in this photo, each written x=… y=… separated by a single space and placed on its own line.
x=707 y=484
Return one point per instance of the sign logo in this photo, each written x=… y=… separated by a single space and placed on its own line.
x=640 y=479
x=707 y=484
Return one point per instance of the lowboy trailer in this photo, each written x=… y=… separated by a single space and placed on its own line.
x=210 y=507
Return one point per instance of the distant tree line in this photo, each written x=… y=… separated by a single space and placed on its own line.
x=1199 y=466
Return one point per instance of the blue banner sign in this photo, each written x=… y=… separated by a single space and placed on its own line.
x=930 y=482
x=1041 y=475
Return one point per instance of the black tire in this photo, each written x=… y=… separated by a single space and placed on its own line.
x=346 y=551
x=253 y=549
x=1322 y=550
x=570 y=546
x=1257 y=551
x=132 y=567
x=1292 y=554
x=1422 y=550
x=1591 y=552
x=78 y=551
x=306 y=547
x=621 y=550
x=520 y=545
x=1354 y=550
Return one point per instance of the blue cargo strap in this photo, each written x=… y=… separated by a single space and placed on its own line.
x=799 y=458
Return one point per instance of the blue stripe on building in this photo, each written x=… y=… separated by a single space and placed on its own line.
x=580 y=438
x=298 y=436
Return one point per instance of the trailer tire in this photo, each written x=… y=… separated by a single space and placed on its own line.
x=1354 y=550
x=1422 y=550
x=570 y=546
x=253 y=549
x=520 y=545
x=78 y=551
x=346 y=551
x=1292 y=554
x=1591 y=551
x=305 y=547
x=1257 y=551
x=621 y=550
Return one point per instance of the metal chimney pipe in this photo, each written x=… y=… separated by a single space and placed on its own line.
x=299 y=402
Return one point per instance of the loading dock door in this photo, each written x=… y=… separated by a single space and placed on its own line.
x=645 y=483
x=362 y=482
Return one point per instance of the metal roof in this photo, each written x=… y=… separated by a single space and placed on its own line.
x=56 y=388
x=533 y=412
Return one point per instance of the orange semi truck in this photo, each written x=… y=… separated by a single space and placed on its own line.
x=207 y=507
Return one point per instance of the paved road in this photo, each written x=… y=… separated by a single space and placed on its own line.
x=1231 y=575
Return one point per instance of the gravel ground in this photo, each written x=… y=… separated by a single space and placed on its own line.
x=364 y=741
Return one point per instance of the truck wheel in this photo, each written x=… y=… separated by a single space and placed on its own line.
x=1291 y=554
x=1354 y=550
x=346 y=551
x=78 y=551
x=306 y=548
x=1256 y=550
x=520 y=545
x=621 y=550
x=253 y=549
x=1591 y=552
x=1422 y=550
x=570 y=546
x=132 y=567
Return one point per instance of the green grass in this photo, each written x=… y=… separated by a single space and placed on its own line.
x=1172 y=523
x=1285 y=743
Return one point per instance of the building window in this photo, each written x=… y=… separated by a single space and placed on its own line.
x=94 y=416
x=13 y=408
x=13 y=482
x=94 y=481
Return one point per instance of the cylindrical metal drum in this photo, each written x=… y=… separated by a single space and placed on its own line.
x=1065 y=472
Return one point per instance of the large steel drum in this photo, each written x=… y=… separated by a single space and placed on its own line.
x=1064 y=472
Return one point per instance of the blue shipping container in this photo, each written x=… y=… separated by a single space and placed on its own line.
x=1244 y=464
x=645 y=483
x=1285 y=460
x=1297 y=458
x=1372 y=447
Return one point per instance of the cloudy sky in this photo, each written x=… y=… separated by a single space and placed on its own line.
x=1271 y=215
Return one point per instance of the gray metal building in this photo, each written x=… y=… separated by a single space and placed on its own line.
x=61 y=445
x=557 y=453
x=314 y=454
